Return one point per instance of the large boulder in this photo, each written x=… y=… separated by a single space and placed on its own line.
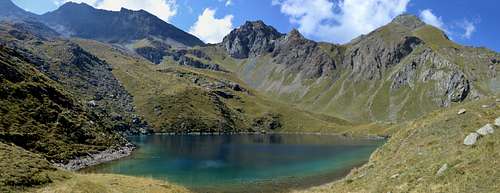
x=471 y=139
x=486 y=130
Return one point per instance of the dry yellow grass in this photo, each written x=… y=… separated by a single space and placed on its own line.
x=109 y=183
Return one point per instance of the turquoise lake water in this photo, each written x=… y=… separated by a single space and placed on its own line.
x=243 y=163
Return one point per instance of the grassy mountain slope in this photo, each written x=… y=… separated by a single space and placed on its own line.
x=398 y=72
x=174 y=98
x=411 y=159
x=39 y=116
x=85 y=76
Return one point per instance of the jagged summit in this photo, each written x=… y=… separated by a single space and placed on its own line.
x=295 y=34
x=250 y=39
x=410 y=21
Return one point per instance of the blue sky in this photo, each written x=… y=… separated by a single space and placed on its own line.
x=468 y=22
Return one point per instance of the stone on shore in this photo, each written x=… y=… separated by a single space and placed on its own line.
x=486 y=130
x=471 y=139
x=461 y=111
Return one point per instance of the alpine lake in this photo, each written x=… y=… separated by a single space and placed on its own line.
x=243 y=162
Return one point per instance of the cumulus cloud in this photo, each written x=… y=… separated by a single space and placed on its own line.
x=428 y=17
x=211 y=29
x=342 y=20
x=163 y=9
x=468 y=28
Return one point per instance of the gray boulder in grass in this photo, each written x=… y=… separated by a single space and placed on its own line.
x=471 y=139
x=497 y=122
x=486 y=130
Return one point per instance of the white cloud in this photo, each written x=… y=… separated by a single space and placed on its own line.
x=428 y=17
x=468 y=27
x=210 y=29
x=342 y=20
x=163 y=9
x=227 y=2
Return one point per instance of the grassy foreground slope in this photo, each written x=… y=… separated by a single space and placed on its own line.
x=174 y=98
x=23 y=171
x=109 y=183
x=411 y=159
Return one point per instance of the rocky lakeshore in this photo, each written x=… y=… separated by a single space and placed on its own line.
x=99 y=158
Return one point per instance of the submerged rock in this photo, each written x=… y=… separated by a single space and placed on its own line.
x=471 y=139
x=486 y=130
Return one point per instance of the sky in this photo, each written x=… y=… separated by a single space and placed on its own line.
x=474 y=23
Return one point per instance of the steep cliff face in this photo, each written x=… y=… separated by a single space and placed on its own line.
x=302 y=55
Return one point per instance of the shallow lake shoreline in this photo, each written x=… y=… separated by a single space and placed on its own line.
x=371 y=137
x=98 y=158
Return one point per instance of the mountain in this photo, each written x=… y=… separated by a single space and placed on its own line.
x=397 y=72
x=84 y=21
x=9 y=10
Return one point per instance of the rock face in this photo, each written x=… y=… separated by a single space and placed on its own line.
x=251 y=39
x=486 y=130
x=371 y=56
x=471 y=139
x=84 y=21
x=302 y=55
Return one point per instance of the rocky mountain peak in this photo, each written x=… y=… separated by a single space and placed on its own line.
x=410 y=21
x=251 y=39
x=295 y=34
x=84 y=21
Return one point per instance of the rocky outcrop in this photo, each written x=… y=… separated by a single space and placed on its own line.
x=182 y=58
x=302 y=55
x=450 y=82
x=251 y=39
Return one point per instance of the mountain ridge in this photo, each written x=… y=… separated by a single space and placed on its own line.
x=84 y=21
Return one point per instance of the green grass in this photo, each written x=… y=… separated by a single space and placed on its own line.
x=21 y=169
